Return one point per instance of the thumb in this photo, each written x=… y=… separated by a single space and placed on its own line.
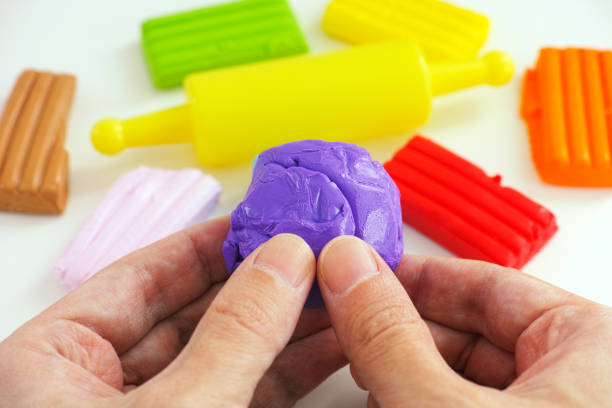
x=389 y=346
x=248 y=324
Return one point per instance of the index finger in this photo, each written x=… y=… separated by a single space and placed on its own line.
x=473 y=296
x=122 y=302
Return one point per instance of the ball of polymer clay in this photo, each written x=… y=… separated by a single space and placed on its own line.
x=317 y=190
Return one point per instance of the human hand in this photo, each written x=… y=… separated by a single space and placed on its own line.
x=134 y=335
x=513 y=341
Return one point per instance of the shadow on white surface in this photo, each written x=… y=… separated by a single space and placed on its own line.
x=451 y=111
x=133 y=72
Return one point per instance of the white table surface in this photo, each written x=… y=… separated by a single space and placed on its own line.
x=99 y=42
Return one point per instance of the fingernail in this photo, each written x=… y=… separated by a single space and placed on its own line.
x=287 y=256
x=345 y=262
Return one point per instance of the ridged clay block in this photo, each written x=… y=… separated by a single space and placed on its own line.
x=457 y=205
x=442 y=30
x=219 y=36
x=33 y=161
x=142 y=206
x=567 y=104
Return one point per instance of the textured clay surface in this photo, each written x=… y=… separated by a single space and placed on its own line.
x=317 y=190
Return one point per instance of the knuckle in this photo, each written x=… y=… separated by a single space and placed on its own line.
x=248 y=314
x=380 y=325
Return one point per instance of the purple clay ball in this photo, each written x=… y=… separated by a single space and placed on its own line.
x=317 y=190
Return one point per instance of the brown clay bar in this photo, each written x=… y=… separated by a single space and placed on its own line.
x=33 y=161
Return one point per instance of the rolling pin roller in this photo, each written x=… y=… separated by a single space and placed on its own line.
x=362 y=92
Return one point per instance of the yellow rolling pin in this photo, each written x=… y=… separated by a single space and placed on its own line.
x=362 y=92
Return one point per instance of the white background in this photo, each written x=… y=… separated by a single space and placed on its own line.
x=99 y=42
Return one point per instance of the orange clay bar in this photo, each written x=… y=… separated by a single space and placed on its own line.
x=567 y=104
x=33 y=161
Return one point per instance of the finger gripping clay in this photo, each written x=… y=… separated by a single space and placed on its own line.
x=567 y=104
x=456 y=204
x=368 y=91
x=213 y=37
x=142 y=206
x=440 y=29
x=317 y=190
x=33 y=161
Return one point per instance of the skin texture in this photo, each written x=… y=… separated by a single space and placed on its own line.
x=457 y=333
x=162 y=328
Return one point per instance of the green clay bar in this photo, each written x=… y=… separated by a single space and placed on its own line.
x=219 y=36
